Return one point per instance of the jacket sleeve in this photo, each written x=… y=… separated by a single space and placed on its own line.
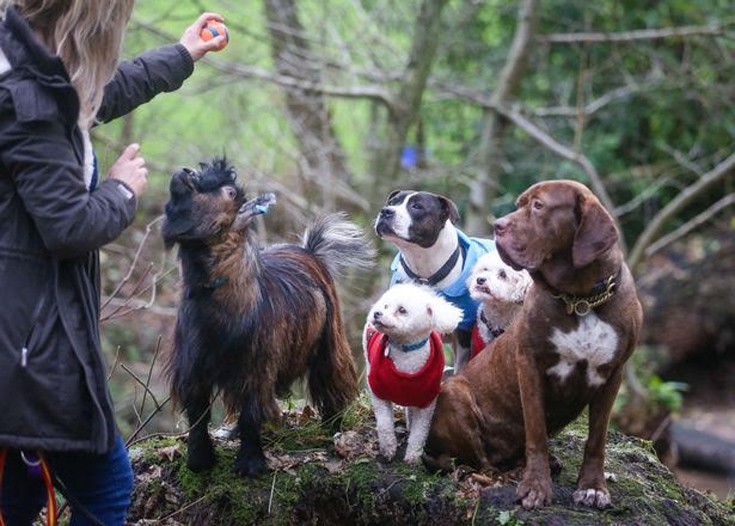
x=48 y=176
x=137 y=81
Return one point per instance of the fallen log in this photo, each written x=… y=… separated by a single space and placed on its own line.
x=320 y=479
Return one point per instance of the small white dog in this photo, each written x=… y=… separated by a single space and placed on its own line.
x=405 y=359
x=500 y=290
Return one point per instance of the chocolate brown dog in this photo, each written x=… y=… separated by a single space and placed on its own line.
x=565 y=350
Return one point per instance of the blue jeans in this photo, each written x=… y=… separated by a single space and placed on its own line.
x=102 y=484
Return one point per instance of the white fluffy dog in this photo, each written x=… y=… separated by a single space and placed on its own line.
x=500 y=290
x=405 y=359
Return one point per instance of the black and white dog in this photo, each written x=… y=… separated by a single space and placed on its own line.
x=433 y=252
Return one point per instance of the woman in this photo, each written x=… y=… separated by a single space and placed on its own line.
x=59 y=75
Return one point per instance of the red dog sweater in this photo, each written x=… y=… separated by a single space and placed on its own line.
x=478 y=344
x=417 y=389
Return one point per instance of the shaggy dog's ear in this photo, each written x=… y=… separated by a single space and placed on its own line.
x=446 y=316
x=178 y=219
x=177 y=223
x=392 y=195
x=524 y=281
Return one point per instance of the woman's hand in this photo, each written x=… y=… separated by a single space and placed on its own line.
x=130 y=169
x=192 y=40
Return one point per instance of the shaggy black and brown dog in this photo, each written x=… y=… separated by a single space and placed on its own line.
x=252 y=321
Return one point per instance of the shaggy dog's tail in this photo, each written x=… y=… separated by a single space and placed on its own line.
x=340 y=245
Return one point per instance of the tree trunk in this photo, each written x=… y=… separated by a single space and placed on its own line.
x=311 y=123
x=404 y=112
x=491 y=142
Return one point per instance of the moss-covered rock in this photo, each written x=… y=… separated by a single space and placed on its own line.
x=319 y=479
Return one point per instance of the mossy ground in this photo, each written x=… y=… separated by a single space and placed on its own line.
x=319 y=479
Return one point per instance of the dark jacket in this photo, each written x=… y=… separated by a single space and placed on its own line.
x=52 y=374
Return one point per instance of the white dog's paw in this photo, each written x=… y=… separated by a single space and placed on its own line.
x=388 y=448
x=412 y=457
x=388 y=452
x=597 y=498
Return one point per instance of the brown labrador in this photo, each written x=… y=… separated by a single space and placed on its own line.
x=564 y=352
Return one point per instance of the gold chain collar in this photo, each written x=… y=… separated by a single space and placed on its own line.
x=583 y=305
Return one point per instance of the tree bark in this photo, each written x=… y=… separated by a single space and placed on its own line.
x=404 y=111
x=307 y=111
x=490 y=155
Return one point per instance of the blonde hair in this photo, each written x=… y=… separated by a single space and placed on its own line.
x=87 y=35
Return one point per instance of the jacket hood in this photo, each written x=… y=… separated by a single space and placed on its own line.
x=31 y=54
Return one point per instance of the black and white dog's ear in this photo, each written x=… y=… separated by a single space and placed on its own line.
x=449 y=209
x=392 y=195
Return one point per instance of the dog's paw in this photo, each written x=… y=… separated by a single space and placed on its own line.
x=412 y=457
x=594 y=498
x=250 y=466
x=534 y=492
x=200 y=456
x=388 y=447
x=387 y=455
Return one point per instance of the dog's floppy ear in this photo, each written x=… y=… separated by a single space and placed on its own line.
x=445 y=315
x=449 y=209
x=178 y=209
x=596 y=233
x=524 y=281
x=176 y=223
x=392 y=195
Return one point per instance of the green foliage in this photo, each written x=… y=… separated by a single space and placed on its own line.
x=507 y=518
x=668 y=394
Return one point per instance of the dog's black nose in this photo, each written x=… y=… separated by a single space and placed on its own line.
x=481 y=281
x=377 y=315
x=387 y=213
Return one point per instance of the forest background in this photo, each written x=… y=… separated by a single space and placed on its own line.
x=332 y=104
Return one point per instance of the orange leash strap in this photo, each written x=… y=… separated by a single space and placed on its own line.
x=47 y=479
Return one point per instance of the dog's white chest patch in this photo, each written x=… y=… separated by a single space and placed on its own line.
x=593 y=340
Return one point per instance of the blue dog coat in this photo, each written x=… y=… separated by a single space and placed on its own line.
x=457 y=293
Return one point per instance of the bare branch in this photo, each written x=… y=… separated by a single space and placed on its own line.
x=493 y=129
x=134 y=263
x=515 y=64
x=150 y=373
x=142 y=384
x=676 y=205
x=690 y=225
x=135 y=305
x=243 y=71
x=159 y=408
x=376 y=93
x=596 y=105
x=544 y=139
x=561 y=150
x=632 y=36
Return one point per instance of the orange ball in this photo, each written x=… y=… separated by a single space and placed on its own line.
x=214 y=29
